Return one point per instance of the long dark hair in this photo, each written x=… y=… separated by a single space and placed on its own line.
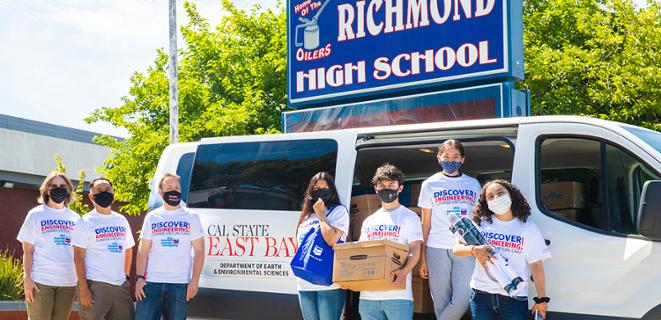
x=308 y=202
x=520 y=207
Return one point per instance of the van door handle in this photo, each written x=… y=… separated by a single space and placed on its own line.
x=547 y=241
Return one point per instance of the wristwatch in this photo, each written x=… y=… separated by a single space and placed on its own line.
x=539 y=300
x=139 y=277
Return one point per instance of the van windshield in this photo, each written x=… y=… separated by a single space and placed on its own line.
x=652 y=138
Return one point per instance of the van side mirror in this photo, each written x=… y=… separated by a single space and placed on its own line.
x=649 y=211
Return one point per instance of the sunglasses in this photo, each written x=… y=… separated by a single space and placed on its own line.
x=55 y=186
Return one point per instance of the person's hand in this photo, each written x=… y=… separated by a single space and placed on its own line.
x=400 y=277
x=85 y=297
x=28 y=286
x=423 y=269
x=191 y=291
x=541 y=307
x=319 y=208
x=139 y=289
x=482 y=255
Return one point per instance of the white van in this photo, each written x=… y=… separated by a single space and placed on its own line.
x=584 y=179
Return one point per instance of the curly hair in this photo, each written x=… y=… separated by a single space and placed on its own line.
x=520 y=207
x=388 y=171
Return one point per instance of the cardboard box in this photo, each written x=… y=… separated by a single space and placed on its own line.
x=362 y=207
x=366 y=266
x=571 y=214
x=564 y=195
x=422 y=301
x=415 y=194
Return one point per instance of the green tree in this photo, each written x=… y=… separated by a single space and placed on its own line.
x=600 y=58
x=232 y=81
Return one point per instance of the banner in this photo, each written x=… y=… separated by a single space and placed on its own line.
x=479 y=102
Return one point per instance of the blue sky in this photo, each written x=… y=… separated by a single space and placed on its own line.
x=61 y=59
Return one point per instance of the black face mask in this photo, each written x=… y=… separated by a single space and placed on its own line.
x=172 y=197
x=58 y=195
x=387 y=195
x=104 y=199
x=323 y=194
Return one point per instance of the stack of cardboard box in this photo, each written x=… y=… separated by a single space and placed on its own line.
x=565 y=198
x=361 y=207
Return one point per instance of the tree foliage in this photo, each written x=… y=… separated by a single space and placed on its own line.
x=232 y=81
x=600 y=58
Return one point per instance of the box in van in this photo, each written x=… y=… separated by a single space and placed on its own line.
x=367 y=265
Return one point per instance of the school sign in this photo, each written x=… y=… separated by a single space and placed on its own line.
x=344 y=50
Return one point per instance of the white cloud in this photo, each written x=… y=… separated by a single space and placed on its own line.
x=61 y=59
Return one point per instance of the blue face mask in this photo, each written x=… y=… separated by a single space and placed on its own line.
x=450 y=166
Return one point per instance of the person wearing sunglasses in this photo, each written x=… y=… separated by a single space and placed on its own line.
x=49 y=277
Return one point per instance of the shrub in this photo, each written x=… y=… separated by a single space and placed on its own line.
x=11 y=276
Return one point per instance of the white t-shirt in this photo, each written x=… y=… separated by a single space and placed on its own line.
x=171 y=233
x=50 y=231
x=447 y=195
x=520 y=244
x=338 y=218
x=105 y=239
x=400 y=225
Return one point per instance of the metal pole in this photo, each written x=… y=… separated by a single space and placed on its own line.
x=174 y=96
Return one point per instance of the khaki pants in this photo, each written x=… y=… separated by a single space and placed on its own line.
x=51 y=303
x=110 y=302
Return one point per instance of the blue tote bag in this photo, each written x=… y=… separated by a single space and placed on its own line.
x=313 y=261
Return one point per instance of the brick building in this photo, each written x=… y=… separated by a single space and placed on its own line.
x=28 y=155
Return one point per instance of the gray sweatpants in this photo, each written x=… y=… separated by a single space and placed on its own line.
x=449 y=282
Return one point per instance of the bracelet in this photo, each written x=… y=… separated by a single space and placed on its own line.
x=140 y=277
x=539 y=300
x=472 y=251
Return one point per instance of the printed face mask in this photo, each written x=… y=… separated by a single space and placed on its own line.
x=104 y=199
x=450 y=166
x=58 y=195
x=500 y=205
x=322 y=193
x=387 y=195
x=172 y=197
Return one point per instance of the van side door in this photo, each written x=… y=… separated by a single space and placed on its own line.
x=583 y=184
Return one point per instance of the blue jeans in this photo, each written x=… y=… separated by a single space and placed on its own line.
x=487 y=306
x=321 y=305
x=385 y=309
x=166 y=299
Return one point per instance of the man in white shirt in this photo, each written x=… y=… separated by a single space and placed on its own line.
x=404 y=227
x=103 y=245
x=167 y=278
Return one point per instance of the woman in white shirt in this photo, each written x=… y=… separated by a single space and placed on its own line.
x=501 y=216
x=448 y=192
x=49 y=277
x=322 y=209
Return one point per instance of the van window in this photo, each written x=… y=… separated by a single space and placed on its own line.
x=591 y=182
x=269 y=175
x=183 y=170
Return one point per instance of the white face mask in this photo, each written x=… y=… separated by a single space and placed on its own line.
x=500 y=205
